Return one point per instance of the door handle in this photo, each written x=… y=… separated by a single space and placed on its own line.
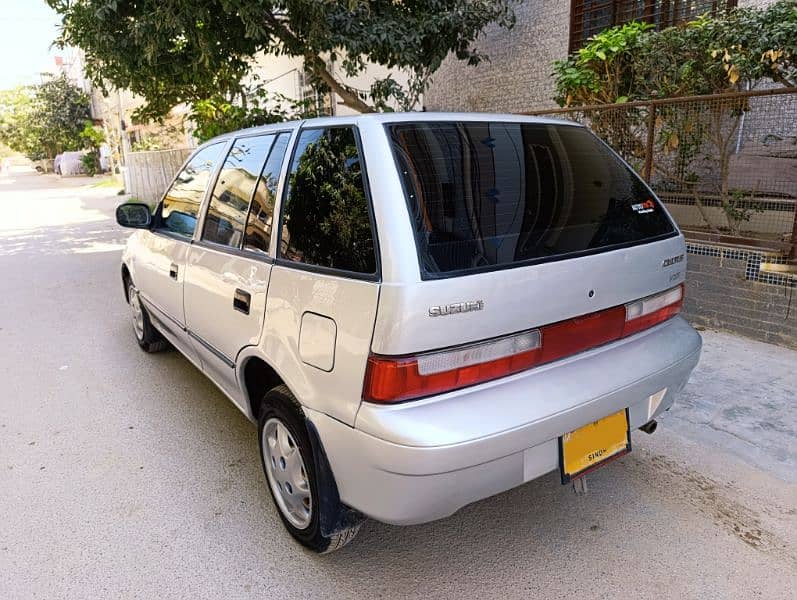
x=241 y=301
x=173 y=271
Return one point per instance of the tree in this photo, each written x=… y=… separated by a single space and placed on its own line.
x=44 y=120
x=59 y=114
x=14 y=107
x=173 y=51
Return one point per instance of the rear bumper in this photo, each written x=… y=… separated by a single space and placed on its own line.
x=423 y=460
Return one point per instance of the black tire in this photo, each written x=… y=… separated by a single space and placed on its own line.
x=281 y=404
x=149 y=339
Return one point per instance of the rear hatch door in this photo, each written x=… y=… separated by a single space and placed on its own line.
x=518 y=225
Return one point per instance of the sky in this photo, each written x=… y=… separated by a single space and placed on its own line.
x=27 y=28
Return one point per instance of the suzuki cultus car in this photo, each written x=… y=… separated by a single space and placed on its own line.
x=418 y=310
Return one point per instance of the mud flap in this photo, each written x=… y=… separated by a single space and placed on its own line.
x=334 y=515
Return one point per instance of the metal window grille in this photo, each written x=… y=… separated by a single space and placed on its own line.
x=589 y=17
x=320 y=102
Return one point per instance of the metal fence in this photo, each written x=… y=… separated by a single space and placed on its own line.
x=148 y=173
x=725 y=165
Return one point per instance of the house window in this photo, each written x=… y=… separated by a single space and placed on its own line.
x=320 y=102
x=589 y=17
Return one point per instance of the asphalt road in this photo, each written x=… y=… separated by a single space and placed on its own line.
x=126 y=475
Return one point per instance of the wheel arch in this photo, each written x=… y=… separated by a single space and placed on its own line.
x=257 y=377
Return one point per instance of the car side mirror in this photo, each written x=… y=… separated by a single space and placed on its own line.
x=134 y=214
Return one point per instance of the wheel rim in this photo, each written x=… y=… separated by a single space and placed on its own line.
x=287 y=475
x=137 y=312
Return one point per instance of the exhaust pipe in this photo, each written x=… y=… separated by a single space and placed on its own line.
x=649 y=427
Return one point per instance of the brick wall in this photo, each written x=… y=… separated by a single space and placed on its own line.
x=726 y=290
x=518 y=75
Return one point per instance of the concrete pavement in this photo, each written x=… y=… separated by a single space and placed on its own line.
x=126 y=475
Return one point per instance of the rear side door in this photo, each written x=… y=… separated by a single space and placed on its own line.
x=229 y=265
x=160 y=261
x=324 y=288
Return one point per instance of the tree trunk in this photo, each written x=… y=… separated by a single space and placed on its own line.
x=318 y=67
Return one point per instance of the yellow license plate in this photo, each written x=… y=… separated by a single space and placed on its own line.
x=590 y=446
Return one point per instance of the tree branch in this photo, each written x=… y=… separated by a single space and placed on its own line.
x=316 y=65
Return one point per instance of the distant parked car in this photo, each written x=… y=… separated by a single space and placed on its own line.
x=418 y=310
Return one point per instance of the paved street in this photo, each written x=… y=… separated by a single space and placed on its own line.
x=126 y=475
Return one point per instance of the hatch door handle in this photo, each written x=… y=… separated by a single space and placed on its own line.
x=241 y=301
x=173 y=271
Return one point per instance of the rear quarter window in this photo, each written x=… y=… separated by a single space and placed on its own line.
x=484 y=195
x=325 y=217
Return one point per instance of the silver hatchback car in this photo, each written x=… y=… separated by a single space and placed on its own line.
x=418 y=310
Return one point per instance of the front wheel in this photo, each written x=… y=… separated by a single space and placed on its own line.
x=292 y=472
x=148 y=338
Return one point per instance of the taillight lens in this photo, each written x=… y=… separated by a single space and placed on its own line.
x=394 y=379
x=653 y=310
x=390 y=379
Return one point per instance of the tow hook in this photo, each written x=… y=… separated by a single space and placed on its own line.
x=649 y=427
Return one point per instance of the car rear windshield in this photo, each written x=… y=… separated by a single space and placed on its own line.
x=484 y=196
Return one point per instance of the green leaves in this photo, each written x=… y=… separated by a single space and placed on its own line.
x=43 y=120
x=173 y=51
x=218 y=114
x=603 y=70
x=706 y=56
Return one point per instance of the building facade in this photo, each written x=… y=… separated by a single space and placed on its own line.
x=518 y=76
x=285 y=75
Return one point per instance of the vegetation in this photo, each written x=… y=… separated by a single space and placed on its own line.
x=705 y=56
x=694 y=144
x=15 y=106
x=44 y=120
x=195 y=51
x=219 y=114
x=93 y=137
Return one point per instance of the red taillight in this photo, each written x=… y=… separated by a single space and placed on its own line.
x=394 y=379
x=653 y=310
x=390 y=379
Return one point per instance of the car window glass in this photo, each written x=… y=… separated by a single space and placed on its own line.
x=325 y=218
x=181 y=203
x=261 y=211
x=488 y=195
x=224 y=223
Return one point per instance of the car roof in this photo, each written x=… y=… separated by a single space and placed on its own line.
x=394 y=117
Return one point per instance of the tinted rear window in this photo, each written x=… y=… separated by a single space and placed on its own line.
x=488 y=195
